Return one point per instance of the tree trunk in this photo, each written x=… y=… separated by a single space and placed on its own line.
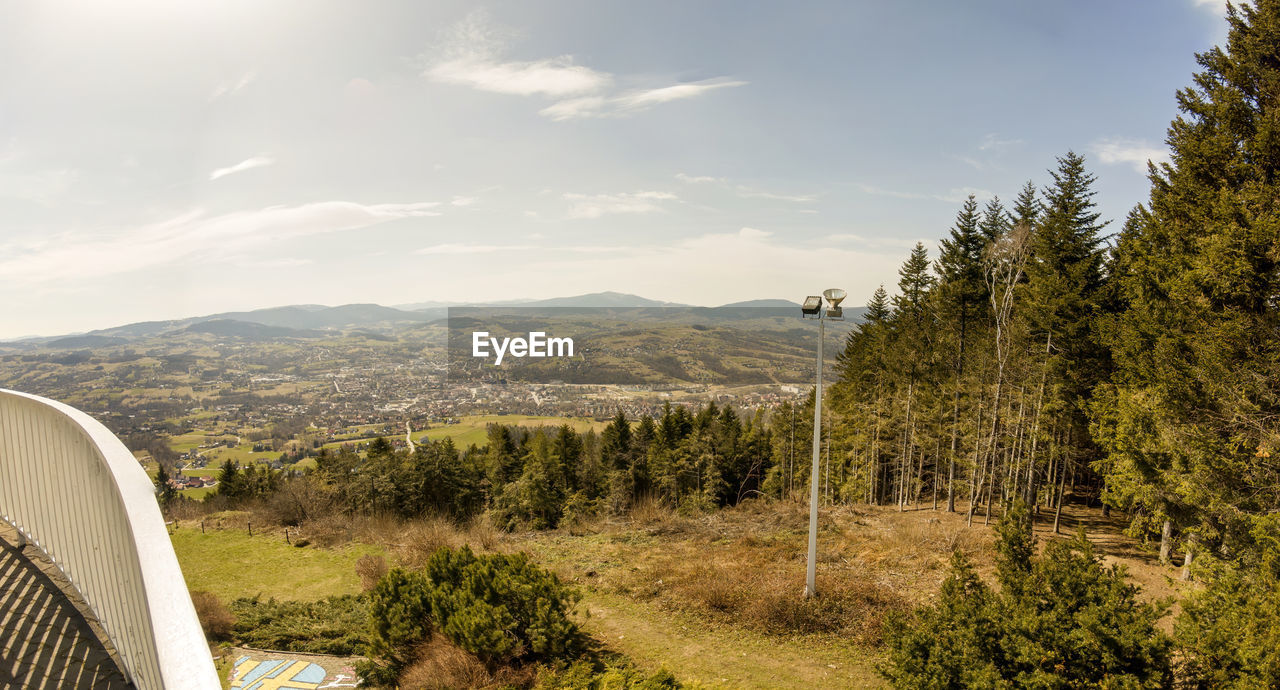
x=1166 y=540
x=974 y=472
x=955 y=427
x=1057 y=513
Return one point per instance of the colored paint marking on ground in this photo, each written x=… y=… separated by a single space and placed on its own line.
x=280 y=672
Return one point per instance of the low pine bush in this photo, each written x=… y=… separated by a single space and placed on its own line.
x=501 y=608
x=1059 y=620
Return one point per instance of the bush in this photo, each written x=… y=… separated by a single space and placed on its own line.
x=500 y=608
x=440 y=665
x=370 y=568
x=583 y=675
x=1229 y=632
x=215 y=619
x=330 y=626
x=399 y=620
x=1061 y=620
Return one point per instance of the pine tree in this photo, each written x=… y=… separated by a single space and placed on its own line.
x=962 y=302
x=1026 y=207
x=164 y=492
x=996 y=220
x=1198 y=382
x=1064 y=275
x=962 y=292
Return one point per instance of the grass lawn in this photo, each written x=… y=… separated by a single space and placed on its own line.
x=474 y=429
x=231 y=564
x=198 y=494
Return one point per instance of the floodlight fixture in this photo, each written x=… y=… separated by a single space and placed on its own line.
x=812 y=305
x=835 y=296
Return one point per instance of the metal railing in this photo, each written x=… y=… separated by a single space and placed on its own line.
x=70 y=487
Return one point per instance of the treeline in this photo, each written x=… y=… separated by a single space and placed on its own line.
x=530 y=478
x=972 y=384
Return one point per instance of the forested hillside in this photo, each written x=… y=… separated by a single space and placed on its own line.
x=1038 y=354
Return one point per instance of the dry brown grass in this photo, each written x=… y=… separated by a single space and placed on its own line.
x=214 y=617
x=415 y=542
x=482 y=534
x=442 y=666
x=745 y=565
x=370 y=568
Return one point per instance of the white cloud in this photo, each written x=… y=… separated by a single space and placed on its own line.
x=597 y=205
x=227 y=88
x=474 y=54
x=992 y=142
x=248 y=164
x=698 y=179
x=631 y=101
x=748 y=193
x=587 y=106
x=1219 y=7
x=73 y=257
x=462 y=201
x=644 y=98
x=453 y=248
x=551 y=77
x=1135 y=152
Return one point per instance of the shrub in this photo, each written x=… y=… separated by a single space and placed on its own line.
x=399 y=620
x=216 y=620
x=336 y=625
x=1060 y=620
x=500 y=608
x=584 y=675
x=370 y=568
x=1229 y=632
x=440 y=664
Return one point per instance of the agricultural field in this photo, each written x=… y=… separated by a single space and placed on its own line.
x=473 y=429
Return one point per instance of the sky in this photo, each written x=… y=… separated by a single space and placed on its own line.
x=171 y=158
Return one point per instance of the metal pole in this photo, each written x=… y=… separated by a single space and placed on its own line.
x=810 y=590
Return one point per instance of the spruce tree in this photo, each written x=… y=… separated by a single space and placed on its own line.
x=1197 y=345
x=962 y=303
x=1026 y=207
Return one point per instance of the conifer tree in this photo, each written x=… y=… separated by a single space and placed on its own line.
x=1197 y=345
x=962 y=301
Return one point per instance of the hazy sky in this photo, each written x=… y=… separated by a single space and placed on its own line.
x=169 y=158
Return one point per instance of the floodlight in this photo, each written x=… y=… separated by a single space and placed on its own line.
x=835 y=296
x=812 y=305
x=835 y=313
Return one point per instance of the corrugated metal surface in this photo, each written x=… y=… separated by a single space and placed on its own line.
x=73 y=489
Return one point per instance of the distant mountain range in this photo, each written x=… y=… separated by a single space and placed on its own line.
x=314 y=320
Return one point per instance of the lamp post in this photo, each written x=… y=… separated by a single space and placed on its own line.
x=812 y=307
